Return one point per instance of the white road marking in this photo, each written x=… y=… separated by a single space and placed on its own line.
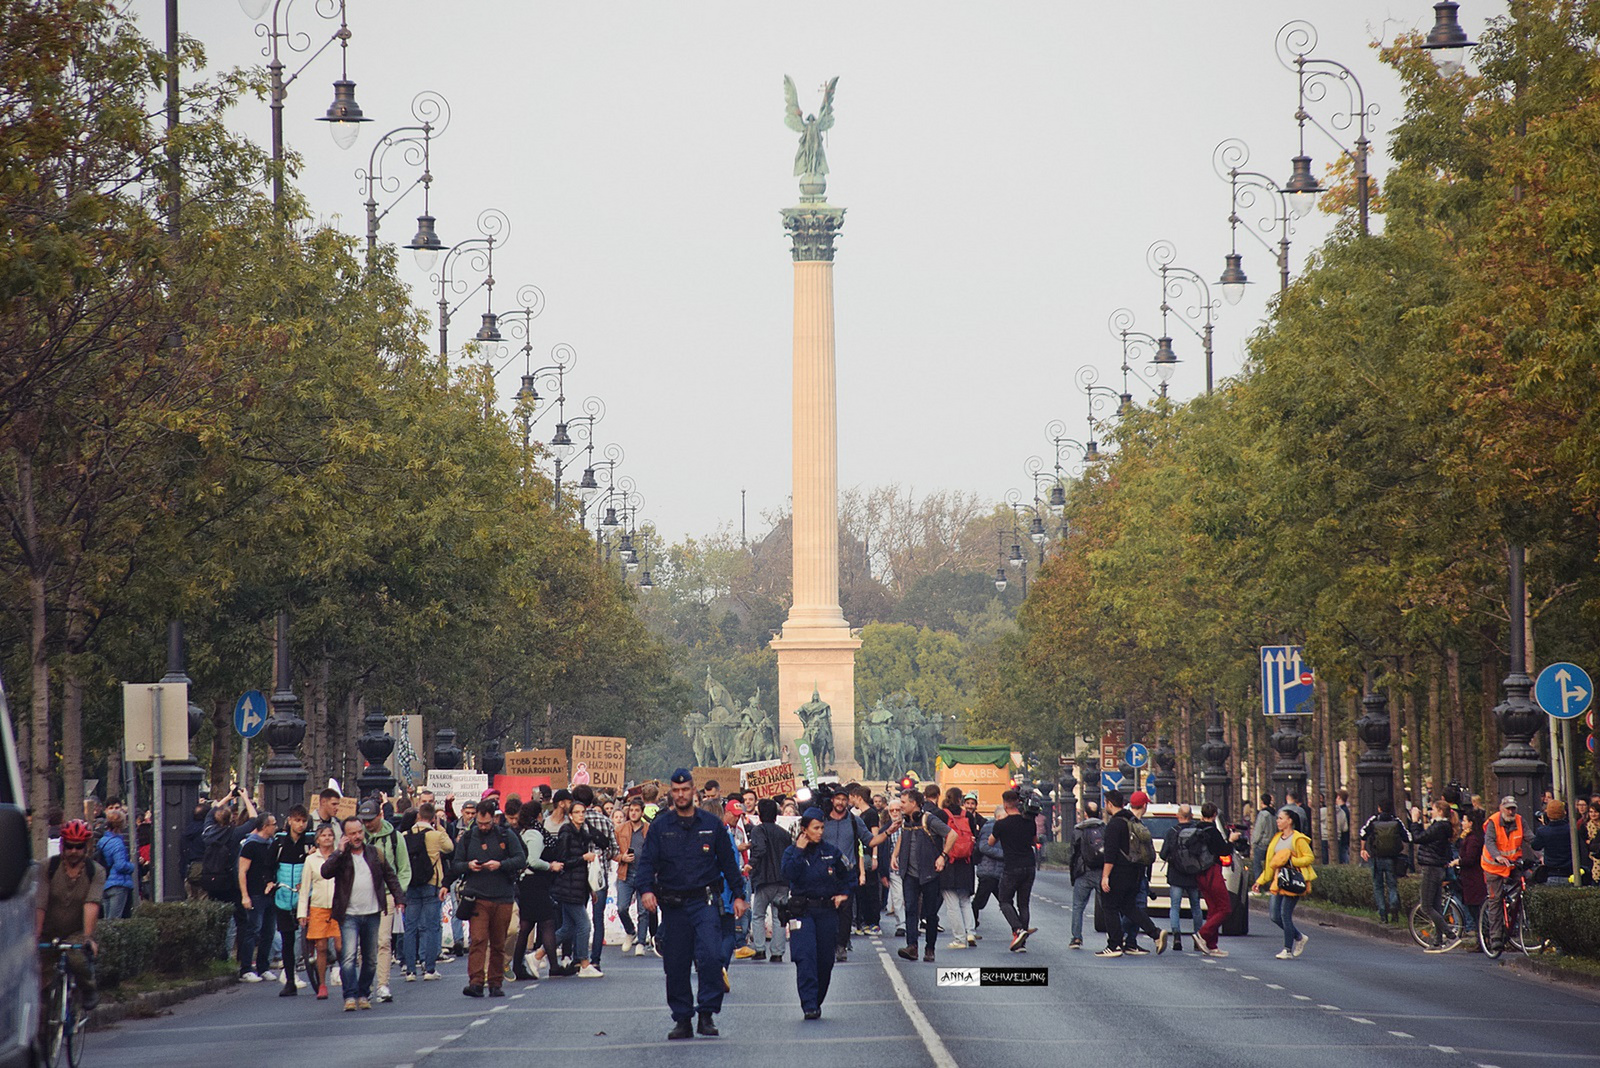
x=1444 y=1049
x=1300 y=997
x=479 y=1023
x=451 y=1038
x=1227 y=969
x=500 y=1008
x=1252 y=978
x=1401 y=1034
x=1359 y=1020
x=425 y=1050
x=518 y=997
x=1331 y=1008
x=930 y=1038
x=1275 y=986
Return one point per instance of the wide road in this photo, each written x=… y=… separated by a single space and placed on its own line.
x=1350 y=1000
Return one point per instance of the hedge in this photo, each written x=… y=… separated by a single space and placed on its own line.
x=1350 y=885
x=1567 y=916
x=1056 y=853
x=191 y=934
x=126 y=947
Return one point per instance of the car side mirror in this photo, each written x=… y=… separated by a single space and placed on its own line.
x=16 y=850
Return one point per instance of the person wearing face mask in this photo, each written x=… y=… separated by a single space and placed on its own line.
x=819 y=883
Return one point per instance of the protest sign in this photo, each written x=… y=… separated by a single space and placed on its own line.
x=601 y=762
x=462 y=785
x=344 y=809
x=547 y=765
x=772 y=781
x=728 y=779
x=523 y=786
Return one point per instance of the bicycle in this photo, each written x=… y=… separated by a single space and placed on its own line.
x=1457 y=918
x=64 y=1024
x=1518 y=930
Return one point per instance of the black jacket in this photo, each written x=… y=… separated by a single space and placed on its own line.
x=767 y=844
x=1169 y=850
x=571 y=885
x=1433 y=844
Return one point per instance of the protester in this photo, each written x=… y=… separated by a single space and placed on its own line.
x=290 y=849
x=314 y=910
x=1433 y=844
x=382 y=836
x=256 y=913
x=365 y=887
x=1469 y=850
x=1553 y=841
x=327 y=814
x=426 y=847
x=602 y=832
x=459 y=932
x=121 y=869
x=1213 y=886
x=1086 y=853
x=1186 y=854
x=819 y=885
x=921 y=853
x=990 y=866
x=768 y=843
x=1016 y=835
x=488 y=856
x=1589 y=842
x=630 y=835
x=1129 y=852
x=959 y=878
x=1384 y=838
x=845 y=831
x=1261 y=833
x=736 y=930
x=1289 y=851
x=536 y=921
x=576 y=848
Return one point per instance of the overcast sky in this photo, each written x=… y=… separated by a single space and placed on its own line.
x=1005 y=166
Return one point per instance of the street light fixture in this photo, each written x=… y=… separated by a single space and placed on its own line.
x=493 y=228
x=1298 y=39
x=1120 y=323
x=1173 y=280
x=343 y=116
x=1228 y=160
x=1447 y=42
x=432 y=112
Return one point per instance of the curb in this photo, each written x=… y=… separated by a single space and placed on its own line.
x=1539 y=968
x=149 y=1004
x=1357 y=924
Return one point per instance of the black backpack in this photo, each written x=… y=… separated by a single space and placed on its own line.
x=417 y=850
x=219 y=868
x=1386 y=838
x=1191 y=857
x=1093 y=849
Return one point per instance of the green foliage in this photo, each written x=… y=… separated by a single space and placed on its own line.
x=189 y=934
x=1350 y=885
x=127 y=947
x=1568 y=916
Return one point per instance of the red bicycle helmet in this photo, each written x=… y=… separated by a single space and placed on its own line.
x=75 y=832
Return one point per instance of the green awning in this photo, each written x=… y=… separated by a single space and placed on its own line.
x=951 y=755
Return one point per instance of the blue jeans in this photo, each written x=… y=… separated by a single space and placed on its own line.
x=1130 y=924
x=625 y=896
x=1283 y=915
x=572 y=933
x=423 y=936
x=1176 y=894
x=1383 y=875
x=597 y=925
x=257 y=926
x=114 y=901
x=359 y=935
x=1084 y=887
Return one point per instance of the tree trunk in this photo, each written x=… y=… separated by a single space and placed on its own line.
x=1491 y=726
x=1185 y=764
x=1460 y=741
x=72 y=708
x=350 y=765
x=221 y=764
x=40 y=794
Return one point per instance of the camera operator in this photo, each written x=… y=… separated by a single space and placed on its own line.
x=819 y=886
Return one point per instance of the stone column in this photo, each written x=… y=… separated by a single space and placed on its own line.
x=1518 y=771
x=493 y=761
x=1289 y=768
x=1091 y=782
x=1375 y=765
x=446 y=753
x=375 y=746
x=1067 y=801
x=1164 y=784
x=180 y=782
x=1215 y=784
x=816 y=650
x=283 y=778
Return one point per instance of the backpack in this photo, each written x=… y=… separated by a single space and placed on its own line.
x=1191 y=857
x=219 y=868
x=417 y=850
x=1141 y=850
x=1386 y=838
x=1093 y=847
x=962 y=850
x=55 y=862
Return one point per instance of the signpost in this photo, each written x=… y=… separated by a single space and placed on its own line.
x=1565 y=692
x=154 y=716
x=1137 y=755
x=249 y=718
x=1113 y=738
x=1286 y=681
x=1110 y=780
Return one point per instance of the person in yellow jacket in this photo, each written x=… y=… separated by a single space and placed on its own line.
x=1287 y=848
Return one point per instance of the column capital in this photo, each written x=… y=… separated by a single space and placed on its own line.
x=812 y=227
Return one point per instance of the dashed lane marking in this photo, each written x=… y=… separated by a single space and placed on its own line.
x=452 y=1038
x=1252 y=978
x=1275 y=986
x=425 y=1050
x=1300 y=997
x=1359 y=1020
x=1331 y=1008
x=930 y=1038
x=500 y=1008
x=479 y=1022
x=1443 y=1049
x=1401 y=1034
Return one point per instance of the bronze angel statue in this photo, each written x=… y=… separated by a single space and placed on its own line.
x=808 y=158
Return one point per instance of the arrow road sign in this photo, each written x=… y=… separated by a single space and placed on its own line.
x=1286 y=681
x=1564 y=690
x=250 y=713
x=1110 y=780
x=1137 y=755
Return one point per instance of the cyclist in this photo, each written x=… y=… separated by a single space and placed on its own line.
x=1433 y=857
x=69 y=906
x=1504 y=846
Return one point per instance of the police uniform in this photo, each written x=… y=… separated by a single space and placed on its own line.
x=685 y=863
x=816 y=875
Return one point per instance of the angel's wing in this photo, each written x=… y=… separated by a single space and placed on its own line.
x=792 y=117
x=825 y=116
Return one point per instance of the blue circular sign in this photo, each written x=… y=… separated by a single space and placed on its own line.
x=1564 y=690
x=250 y=713
x=1137 y=755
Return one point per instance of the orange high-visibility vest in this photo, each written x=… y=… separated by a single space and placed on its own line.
x=1504 y=844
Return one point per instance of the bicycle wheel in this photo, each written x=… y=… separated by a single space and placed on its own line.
x=50 y=1028
x=1457 y=921
x=1422 y=927
x=1530 y=941
x=1491 y=951
x=75 y=1032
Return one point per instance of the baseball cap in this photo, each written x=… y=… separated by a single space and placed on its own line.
x=1140 y=799
x=369 y=810
x=1508 y=800
x=734 y=806
x=970 y=795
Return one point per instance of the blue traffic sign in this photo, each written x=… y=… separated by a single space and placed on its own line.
x=1110 y=780
x=1564 y=690
x=1137 y=755
x=250 y=713
x=1286 y=680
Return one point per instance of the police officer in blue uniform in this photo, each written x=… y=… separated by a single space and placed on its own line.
x=686 y=860
x=818 y=885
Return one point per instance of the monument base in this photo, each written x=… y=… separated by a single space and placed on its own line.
x=823 y=660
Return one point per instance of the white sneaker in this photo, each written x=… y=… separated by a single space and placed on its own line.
x=638 y=949
x=960 y=943
x=249 y=977
x=589 y=971
x=1300 y=944
x=334 y=979
x=411 y=977
x=627 y=943
x=1284 y=954
x=1201 y=946
x=269 y=976
x=383 y=994
x=1219 y=952
x=430 y=976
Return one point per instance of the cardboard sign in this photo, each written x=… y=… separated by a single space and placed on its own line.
x=728 y=779
x=524 y=786
x=771 y=782
x=344 y=809
x=549 y=765
x=638 y=788
x=462 y=785
x=601 y=762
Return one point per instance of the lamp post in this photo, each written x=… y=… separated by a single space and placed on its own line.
x=1447 y=42
x=1160 y=256
x=553 y=376
x=1298 y=39
x=493 y=228
x=343 y=115
x=1518 y=770
x=1056 y=432
x=563 y=443
x=432 y=113
x=1095 y=395
x=1227 y=159
x=1163 y=361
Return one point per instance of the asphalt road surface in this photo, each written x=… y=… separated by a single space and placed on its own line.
x=1349 y=1001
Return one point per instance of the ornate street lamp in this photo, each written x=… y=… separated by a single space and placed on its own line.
x=432 y=113
x=1447 y=42
x=1298 y=39
x=1227 y=160
x=1134 y=342
x=1173 y=280
x=493 y=228
x=343 y=116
